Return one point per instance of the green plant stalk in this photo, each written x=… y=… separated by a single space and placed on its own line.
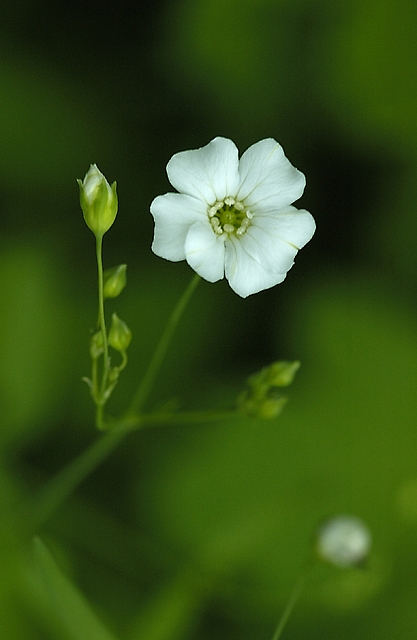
x=148 y=379
x=102 y=326
x=295 y=594
x=69 y=478
x=183 y=417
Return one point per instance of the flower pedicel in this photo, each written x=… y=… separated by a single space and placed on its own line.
x=233 y=218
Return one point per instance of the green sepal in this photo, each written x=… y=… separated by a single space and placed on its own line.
x=114 y=281
x=119 y=335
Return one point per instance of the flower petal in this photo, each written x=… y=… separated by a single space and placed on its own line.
x=246 y=275
x=269 y=250
x=204 y=251
x=274 y=240
x=296 y=226
x=174 y=213
x=210 y=173
x=268 y=179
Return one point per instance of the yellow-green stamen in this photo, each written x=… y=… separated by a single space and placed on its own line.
x=228 y=216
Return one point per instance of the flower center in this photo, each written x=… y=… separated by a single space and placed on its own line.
x=228 y=216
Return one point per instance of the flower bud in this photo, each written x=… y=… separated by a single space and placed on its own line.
x=98 y=201
x=266 y=408
x=114 y=281
x=344 y=541
x=119 y=335
x=277 y=374
x=263 y=397
x=96 y=345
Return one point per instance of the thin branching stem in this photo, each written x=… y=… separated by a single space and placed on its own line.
x=154 y=366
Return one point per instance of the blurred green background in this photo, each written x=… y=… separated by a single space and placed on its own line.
x=199 y=532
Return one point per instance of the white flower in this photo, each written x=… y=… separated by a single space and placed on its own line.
x=233 y=217
x=344 y=541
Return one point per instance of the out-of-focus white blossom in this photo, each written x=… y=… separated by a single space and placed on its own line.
x=344 y=541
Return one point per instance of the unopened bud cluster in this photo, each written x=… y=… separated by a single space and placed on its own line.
x=263 y=398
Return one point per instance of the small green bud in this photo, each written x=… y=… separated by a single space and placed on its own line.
x=263 y=397
x=114 y=281
x=98 y=201
x=268 y=408
x=119 y=335
x=96 y=345
x=260 y=406
x=278 y=374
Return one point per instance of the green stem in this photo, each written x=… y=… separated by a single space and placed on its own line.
x=148 y=379
x=295 y=594
x=102 y=325
x=69 y=478
x=184 y=417
x=173 y=611
x=134 y=422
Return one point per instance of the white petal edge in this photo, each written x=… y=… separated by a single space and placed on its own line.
x=204 y=251
x=271 y=252
x=273 y=241
x=244 y=274
x=210 y=173
x=296 y=226
x=174 y=213
x=268 y=179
